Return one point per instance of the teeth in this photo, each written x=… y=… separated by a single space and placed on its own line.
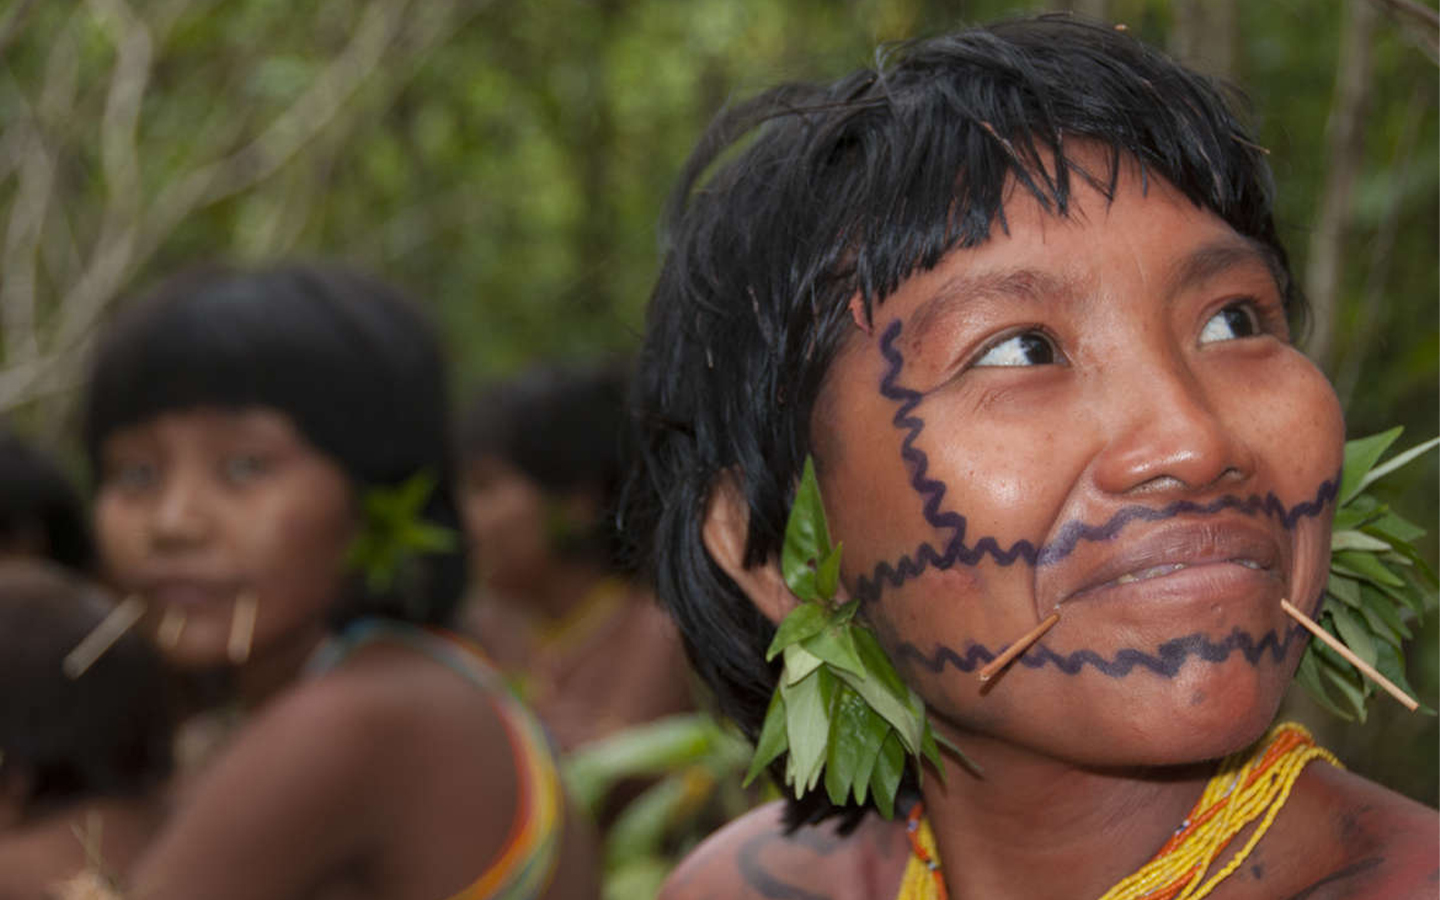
x=1126 y=579
x=1248 y=563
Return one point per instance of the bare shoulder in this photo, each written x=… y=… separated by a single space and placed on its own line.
x=754 y=857
x=1357 y=839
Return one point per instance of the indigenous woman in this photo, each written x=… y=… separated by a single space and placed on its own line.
x=557 y=606
x=274 y=487
x=1019 y=294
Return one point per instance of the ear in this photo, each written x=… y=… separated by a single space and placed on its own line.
x=727 y=522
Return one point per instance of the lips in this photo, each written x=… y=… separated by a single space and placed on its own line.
x=189 y=592
x=1162 y=554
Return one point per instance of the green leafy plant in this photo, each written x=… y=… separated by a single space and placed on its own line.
x=1379 y=584
x=840 y=714
x=691 y=766
x=393 y=532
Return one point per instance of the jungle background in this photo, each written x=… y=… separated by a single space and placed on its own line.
x=505 y=162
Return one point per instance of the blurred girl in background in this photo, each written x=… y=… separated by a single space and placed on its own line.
x=274 y=482
x=557 y=606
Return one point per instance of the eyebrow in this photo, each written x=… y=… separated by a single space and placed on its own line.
x=1219 y=256
x=1027 y=285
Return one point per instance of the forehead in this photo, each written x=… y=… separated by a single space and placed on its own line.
x=1143 y=232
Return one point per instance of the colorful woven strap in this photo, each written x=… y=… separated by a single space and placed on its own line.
x=526 y=862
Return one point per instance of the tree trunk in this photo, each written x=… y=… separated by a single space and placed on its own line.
x=1345 y=153
x=1204 y=36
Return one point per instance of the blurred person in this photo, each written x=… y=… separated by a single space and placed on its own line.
x=556 y=605
x=41 y=512
x=83 y=760
x=274 y=480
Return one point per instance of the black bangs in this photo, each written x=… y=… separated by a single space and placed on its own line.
x=335 y=351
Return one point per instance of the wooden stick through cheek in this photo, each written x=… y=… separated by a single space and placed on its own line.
x=171 y=625
x=242 y=627
x=110 y=630
x=1405 y=699
x=992 y=668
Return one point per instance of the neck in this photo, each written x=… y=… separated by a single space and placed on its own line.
x=562 y=589
x=264 y=676
x=1034 y=826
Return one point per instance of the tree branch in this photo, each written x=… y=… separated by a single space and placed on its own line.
x=1345 y=144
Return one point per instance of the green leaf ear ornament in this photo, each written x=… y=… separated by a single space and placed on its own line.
x=393 y=532
x=840 y=711
x=1379 y=584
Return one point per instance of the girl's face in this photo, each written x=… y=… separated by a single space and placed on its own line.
x=199 y=508
x=1104 y=415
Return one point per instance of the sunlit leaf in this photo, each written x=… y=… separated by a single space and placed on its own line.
x=1360 y=457
x=807 y=537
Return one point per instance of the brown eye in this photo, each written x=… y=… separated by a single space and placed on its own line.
x=1237 y=320
x=1028 y=348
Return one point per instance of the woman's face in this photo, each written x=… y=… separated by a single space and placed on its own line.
x=1103 y=415
x=199 y=508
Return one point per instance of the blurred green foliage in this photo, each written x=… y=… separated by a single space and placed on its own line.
x=506 y=161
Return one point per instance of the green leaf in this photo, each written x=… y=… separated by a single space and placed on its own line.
x=803 y=621
x=1356 y=515
x=1397 y=462
x=807 y=537
x=1356 y=540
x=1354 y=633
x=773 y=740
x=1364 y=566
x=877 y=663
x=1394 y=528
x=1382 y=606
x=1346 y=590
x=1390 y=664
x=1308 y=677
x=836 y=646
x=869 y=736
x=1350 y=685
x=903 y=715
x=807 y=725
x=885 y=779
x=827 y=573
x=799 y=663
x=847 y=750
x=1361 y=455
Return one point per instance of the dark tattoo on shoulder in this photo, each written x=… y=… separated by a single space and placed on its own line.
x=765 y=882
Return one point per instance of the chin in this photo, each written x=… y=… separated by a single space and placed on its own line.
x=1215 y=714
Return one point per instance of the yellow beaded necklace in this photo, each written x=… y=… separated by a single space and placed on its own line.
x=1249 y=785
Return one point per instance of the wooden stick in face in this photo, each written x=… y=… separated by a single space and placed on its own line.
x=992 y=668
x=242 y=627
x=121 y=619
x=1405 y=699
x=171 y=625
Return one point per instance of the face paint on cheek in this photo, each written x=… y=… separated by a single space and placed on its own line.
x=953 y=567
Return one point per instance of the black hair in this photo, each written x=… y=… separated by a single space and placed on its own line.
x=811 y=194
x=352 y=362
x=107 y=732
x=563 y=426
x=40 y=509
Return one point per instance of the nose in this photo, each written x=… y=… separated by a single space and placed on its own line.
x=1167 y=435
x=178 y=518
